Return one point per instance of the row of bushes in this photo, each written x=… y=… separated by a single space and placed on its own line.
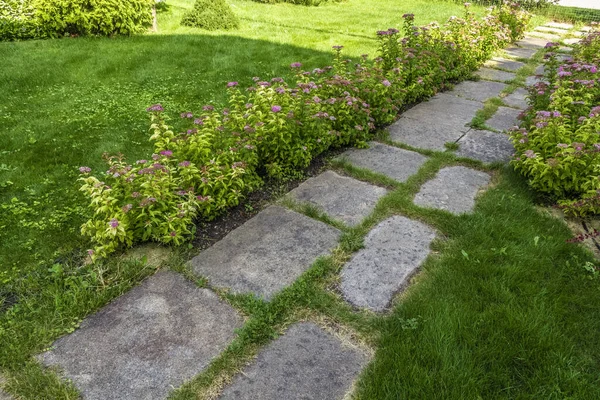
x=558 y=147
x=210 y=160
x=36 y=19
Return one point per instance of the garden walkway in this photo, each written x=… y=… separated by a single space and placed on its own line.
x=167 y=330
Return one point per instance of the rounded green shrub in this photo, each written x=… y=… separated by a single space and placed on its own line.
x=211 y=15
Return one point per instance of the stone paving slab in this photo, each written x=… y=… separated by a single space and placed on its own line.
x=517 y=99
x=565 y=49
x=504 y=119
x=499 y=62
x=453 y=189
x=393 y=251
x=341 y=197
x=520 y=52
x=571 y=41
x=532 y=42
x=559 y=25
x=267 y=253
x=490 y=74
x=306 y=363
x=531 y=80
x=549 y=29
x=147 y=341
x=547 y=36
x=446 y=118
x=3 y=394
x=479 y=91
x=485 y=146
x=390 y=161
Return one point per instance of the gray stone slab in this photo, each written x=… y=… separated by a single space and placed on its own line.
x=479 y=91
x=531 y=80
x=343 y=198
x=146 y=342
x=3 y=394
x=453 y=189
x=517 y=99
x=504 y=119
x=485 y=146
x=571 y=41
x=559 y=25
x=547 y=36
x=532 y=42
x=390 y=161
x=503 y=63
x=393 y=251
x=267 y=253
x=550 y=29
x=540 y=70
x=564 y=49
x=305 y=363
x=431 y=124
x=519 y=52
x=490 y=74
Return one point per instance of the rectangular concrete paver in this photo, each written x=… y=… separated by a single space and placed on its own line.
x=485 y=146
x=532 y=42
x=504 y=119
x=306 y=363
x=267 y=253
x=571 y=41
x=453 y=189
x=549 y=29
x=390 y=161
x=559 y=25
x=490 y=74
x=342 y=198
x=517 y=99
x=479 y=91
x=503 y=63
x=548 y=36
x=393 y=251
x=146 y=342
x=519 y=52
x=431 y=124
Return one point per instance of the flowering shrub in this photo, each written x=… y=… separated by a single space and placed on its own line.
x=558 y=148
x=276 y=128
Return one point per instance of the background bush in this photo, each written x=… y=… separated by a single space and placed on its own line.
x=275 y=129
x=211 y=15
x=34 y=19
x=525 y=4
x=299 y=2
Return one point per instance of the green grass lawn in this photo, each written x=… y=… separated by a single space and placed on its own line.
x=504 y=309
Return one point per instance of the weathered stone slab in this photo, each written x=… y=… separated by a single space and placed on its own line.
x=267 y=253
x=532 y=42
x=532 y=80
x=147 y=341
x=453 y=189
x=393 y=251
x=390 y=161
x=571 y=41
x=340 y=197
x=485 y=146
x=586 y=29
x=305 y=363
x=559 y=25
x=431 y=124
x=510 y=65
x=517 y=99
x=564 y=49
x=490 y=74
x=548 y=29
x=540 y=69
x=479 y=91
x=520 y=52
x=3 y=394
x=504 y=119
x=543 y=35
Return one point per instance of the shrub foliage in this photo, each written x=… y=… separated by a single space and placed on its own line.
x=211 y=15
x=558 y=147
x=276 y=128
x=34 y=19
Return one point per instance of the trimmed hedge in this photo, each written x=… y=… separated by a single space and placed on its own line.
x=37 y=19
x=211 y=15
x=274 y=128
x=558 y=146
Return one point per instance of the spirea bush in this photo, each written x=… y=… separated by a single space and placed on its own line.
x=211 y=15
x=558 y=147
x=275 y=128
x=35 y=19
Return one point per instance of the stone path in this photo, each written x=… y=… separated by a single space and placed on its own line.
x=167 y=330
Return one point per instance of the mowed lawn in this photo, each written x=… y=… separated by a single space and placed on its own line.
x=66 y=102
